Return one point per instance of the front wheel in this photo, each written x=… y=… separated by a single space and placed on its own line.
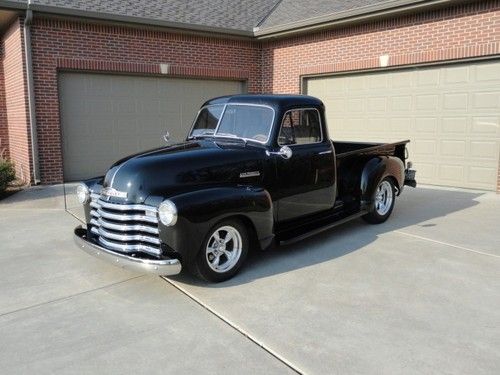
x=384 y=199
x=223 y=251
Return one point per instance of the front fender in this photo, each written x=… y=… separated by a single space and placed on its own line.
x=374 y=171
x=199 y=210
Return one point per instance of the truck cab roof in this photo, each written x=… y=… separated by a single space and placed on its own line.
x=276 y=101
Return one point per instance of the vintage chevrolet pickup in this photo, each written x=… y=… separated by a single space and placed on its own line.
x=254 y=170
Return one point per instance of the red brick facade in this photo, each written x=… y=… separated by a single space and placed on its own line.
x=16 y=100
x=458 y=32
x=4 y=134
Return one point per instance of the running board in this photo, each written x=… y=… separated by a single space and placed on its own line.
x=323 y=228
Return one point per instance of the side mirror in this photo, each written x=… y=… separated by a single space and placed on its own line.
x=285 y=152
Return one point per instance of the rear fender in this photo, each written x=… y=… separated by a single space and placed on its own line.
x=374 y=171
x=199 y=210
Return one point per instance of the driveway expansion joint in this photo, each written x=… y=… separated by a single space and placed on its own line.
x=240 y=330
x=446 y=244
x=65 y=298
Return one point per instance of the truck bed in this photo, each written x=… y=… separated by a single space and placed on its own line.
x=347 y=149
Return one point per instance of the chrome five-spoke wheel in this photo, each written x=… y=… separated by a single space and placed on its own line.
x=223 y=249
x=383 y=202
x=384 y=197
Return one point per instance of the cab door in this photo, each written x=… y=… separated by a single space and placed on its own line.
x=306 y=180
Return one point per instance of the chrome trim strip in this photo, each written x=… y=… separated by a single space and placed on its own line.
x=124 y=207
x=124 y=227
x=198 y=114
x=127 y=237
x=128 y=248
x=163 y=267
x=114 y=174
x=123 y=217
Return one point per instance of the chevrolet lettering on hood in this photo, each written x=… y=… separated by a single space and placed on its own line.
x=254 y=170
x=110 y=192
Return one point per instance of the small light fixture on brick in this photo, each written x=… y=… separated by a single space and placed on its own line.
x=383 y=60
x=165 y=68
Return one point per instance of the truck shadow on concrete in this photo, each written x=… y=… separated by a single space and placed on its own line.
x=413 y=207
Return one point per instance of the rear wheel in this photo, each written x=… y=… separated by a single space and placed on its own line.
x=383 y=199
x=223 y=251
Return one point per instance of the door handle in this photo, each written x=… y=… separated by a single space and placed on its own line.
x=325 y=152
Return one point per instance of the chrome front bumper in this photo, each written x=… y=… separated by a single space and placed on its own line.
x=162 y=267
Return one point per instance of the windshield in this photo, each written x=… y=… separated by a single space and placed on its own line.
x=244 y=121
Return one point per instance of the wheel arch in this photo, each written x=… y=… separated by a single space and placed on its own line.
x=200 y=210
x=374 y=171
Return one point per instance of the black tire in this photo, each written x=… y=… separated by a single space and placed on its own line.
x=205 y=269
x=384 y=199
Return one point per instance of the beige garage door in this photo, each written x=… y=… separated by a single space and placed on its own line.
x=106 y=117
x=450 y=113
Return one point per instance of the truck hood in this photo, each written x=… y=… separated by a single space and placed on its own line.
x=181 y=167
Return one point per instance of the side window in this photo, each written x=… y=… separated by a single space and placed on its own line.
x=300 y=126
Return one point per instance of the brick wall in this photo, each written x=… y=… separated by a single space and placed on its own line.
x=74 y=45
x=16 y=99
x=4 y=134
x=468 y=30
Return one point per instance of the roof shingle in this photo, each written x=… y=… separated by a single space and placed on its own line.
x=237 y=17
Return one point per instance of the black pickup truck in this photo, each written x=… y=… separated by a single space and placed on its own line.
x=254 y=170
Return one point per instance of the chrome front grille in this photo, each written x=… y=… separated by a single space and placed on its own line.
x=125 y=227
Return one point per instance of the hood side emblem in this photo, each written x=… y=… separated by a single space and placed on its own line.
x=166 y=137
x=111 y=192
x=250 y=174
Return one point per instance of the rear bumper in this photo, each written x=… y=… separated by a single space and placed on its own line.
x=410 y=177
x=162 y=267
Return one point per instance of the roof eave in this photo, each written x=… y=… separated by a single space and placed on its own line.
x=385 y=9
x=53 y=10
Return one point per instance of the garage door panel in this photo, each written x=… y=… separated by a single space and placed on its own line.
x=484 y=150
x=453 y=126
x=427 y=102
x=487 y=100
x=401 y=125
x=451 y=114
x=480 y=176
x=455 y=148
x=455 y=101
x=426 y=125
x=487 y=72
x=401 y=103
x=106 y=117
x=486 y=125
x=458 y=74
x=403 y=79
x=452 y=174
x=427 y=78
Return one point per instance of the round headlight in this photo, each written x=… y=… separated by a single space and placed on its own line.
x=82 y=193
x=167 y=213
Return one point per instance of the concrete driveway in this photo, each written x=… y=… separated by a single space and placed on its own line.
x=417 y=294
